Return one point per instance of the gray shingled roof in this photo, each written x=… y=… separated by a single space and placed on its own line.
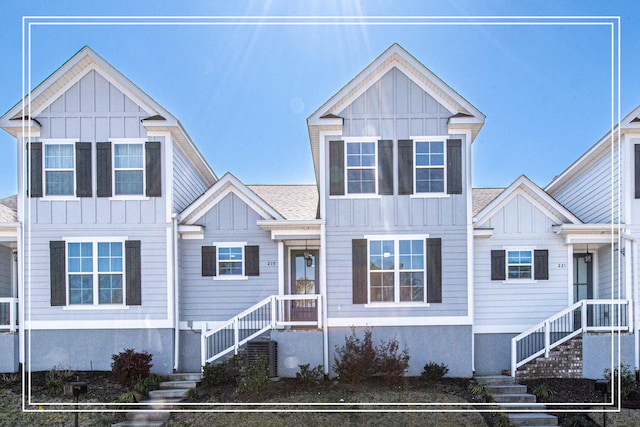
x=9 y=209
x=481 y=197
x=293 y=202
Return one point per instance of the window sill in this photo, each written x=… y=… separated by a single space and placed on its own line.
x=57 y=198
x=397 y=305
x=91 y=307
x=519 y=281
x=356 y=196
x=230 y=277
x=430 y=196
x=132 y=197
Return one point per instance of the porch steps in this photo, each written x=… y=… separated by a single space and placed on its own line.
x=172 y=391
x=512 y=396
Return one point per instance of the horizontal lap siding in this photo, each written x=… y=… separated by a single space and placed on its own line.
x=187 y=182
x=207 y=299
x=519 y=224
x=153 y=269
x=608 y=274
x=6 y=278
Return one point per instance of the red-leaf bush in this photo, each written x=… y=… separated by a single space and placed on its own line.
x=130 y=366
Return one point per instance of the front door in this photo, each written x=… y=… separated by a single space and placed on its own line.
x=304 y=281
x=583 y=283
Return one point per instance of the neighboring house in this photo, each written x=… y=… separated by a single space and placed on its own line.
x=127 y=239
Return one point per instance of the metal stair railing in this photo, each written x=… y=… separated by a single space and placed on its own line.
x=584 y=316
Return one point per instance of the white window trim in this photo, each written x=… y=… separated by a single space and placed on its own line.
x=128 y=141
x=351 y=140
x=508 y=249
x=242 y=276
x=417 y=139
x=396 y=246
x=58 y=141
x=96 y=292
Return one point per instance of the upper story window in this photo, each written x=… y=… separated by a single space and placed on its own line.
x=519 y=264
x=361 y=167
x=95 y=272
x=430 y=167
x=231 y=261
x=128 y=169
x=59 y=169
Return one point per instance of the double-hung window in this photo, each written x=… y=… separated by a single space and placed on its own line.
x=397 y=270
x=95 y=273
x=519 y=264
x=361 y=167
x=231 y=261
x=430 y=167
x=128 y=168
x=59 y=169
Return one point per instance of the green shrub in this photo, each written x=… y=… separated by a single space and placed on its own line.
x=433 y=372
x=145 y=385
x=214 y=374
x=130 y=366
x=56 y=378
x=310 y=375
x=254 y=377
x=543 y=393
x=356 y=360
x=627 y=380
x=391 y=363
x=129 y=397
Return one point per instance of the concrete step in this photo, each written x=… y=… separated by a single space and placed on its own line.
x=532 y=419
x=179 y=384
x=495 y=379
x=134 y=423
x=514 y=398
x=185 y=376
x=174 y=393
x=506 y=389
x=148 y=416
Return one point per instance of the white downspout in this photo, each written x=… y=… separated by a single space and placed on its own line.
x=323 y=292
x=634 y=290
x=176 y=295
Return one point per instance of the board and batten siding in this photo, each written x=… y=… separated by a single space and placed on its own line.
x=153 y=243
x=205 y=298
x=500 y=303
x=188 y=184
x=588 y=195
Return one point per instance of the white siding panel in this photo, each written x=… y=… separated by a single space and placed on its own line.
x=187 y=183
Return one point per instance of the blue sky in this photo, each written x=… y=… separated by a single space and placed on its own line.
x=243 y=91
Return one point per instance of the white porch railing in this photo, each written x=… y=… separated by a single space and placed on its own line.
x=8 y=314
x=271 y=313
x=583 y=316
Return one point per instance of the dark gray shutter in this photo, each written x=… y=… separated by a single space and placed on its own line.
x=405 y=167
x=252 y=260
x=359 y=270
x=153 y=166
x=541 y=264
x=336 y=168
x=103 y=169
x=133 y=271
x=83 y=169
x=385 y=167
x=35 y=168
x=209 y=261
x=637 y=169
x=434 y=270
x=498 y=265
x=454 y=166
x=57 y=272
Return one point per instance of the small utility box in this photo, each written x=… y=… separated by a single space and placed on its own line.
x=75 y=388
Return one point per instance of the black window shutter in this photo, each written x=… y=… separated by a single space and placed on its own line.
x=498 y=265
x=133 y=271
x=103 y=169
x=252 y=260
x=83 y=169
x=336 y=168
x=434 y=270
x=153 y=169
x=209 y=261
x=454 y=166
x=541 y=264
x=385 y=167
x=35 y=168
x=57 y=273
x=405 y=167
x=637 y=169
x=359 y=270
